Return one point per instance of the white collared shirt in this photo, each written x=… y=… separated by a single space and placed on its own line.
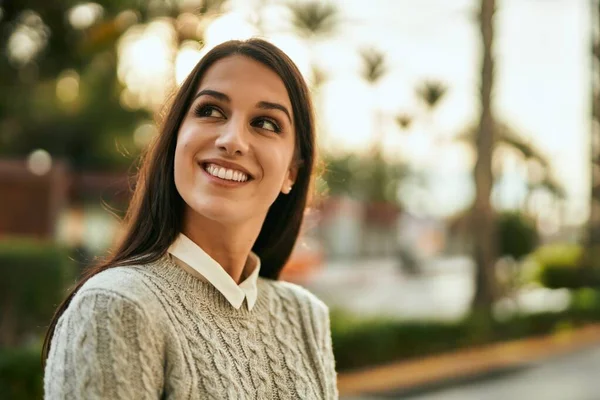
x=189 y=255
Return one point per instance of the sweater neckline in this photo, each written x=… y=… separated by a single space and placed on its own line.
x=207 y=293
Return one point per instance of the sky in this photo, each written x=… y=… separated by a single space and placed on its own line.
x=541 y=88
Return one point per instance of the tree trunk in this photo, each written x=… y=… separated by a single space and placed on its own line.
x=483 y=228
x=593 y=234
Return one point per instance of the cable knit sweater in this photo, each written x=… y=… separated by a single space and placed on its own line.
x=155 y=331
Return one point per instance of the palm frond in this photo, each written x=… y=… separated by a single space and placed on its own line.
x=404 y=121
x=319 y=76
x=374 y=65
x=509 y=137
x=211 y=7
x=314 y=18
x=551 y=185
x=431 y=92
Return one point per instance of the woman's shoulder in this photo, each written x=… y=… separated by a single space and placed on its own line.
x=127 y=283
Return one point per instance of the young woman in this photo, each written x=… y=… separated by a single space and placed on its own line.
x=189 y=305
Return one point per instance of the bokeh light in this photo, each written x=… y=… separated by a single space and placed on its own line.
x=67 y=86
x=144 y=133
x=188 y=56
x=28 y=39
x=146 y=56
x=39 y=162
x=84 y=15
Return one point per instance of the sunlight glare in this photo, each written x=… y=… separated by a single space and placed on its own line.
x=296 y=50
x=229 y=26
x=347 y=112
x=146 y=55
x=187 y=57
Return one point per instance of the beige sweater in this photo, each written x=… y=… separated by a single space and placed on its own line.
x=155 y=331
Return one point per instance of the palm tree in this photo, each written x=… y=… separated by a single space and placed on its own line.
x=483 y=215
x=508 y=138
x=593 y=235
x=431 y=92
x=314 y=21
x=374 y=68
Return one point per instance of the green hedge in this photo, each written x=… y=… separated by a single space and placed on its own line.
x=360 y=343
x=33 y=279
x=560 y=266
x=21 y=375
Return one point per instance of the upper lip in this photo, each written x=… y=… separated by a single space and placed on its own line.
x=227 y=164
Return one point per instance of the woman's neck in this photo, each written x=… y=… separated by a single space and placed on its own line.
x=228 y=245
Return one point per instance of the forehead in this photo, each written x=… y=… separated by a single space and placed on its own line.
x=241 y=76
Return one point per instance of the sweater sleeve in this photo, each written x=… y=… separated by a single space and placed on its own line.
x=328 y=357
x=104 y=347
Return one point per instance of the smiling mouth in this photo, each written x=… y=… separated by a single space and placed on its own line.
x=226 y=174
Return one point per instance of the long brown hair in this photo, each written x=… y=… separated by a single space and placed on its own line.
x=154 y=217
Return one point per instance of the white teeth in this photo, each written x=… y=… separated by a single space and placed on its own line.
x=225 y=173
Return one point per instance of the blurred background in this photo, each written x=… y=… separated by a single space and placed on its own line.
x=458 y=204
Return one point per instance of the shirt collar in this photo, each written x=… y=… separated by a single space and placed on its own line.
x=193 y=256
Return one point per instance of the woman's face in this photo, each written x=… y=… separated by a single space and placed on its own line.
x=235 y=147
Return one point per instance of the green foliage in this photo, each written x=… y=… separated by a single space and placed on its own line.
x=90 y=131
x=565 y=255
x=369 y=178
x=33 y=279
x=555 y=277
x=517 y=235
x=359 y=343
x=561 y=266
x=32 y=115
x=21 y=375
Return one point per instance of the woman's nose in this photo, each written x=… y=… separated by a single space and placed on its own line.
x=233 y=139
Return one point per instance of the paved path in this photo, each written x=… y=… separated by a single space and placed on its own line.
x=379 y=287
x=571 y=377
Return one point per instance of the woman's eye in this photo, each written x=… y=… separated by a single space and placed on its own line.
x=208 y=111
x=268 y=125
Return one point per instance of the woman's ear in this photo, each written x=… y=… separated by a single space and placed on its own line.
x=290 y=179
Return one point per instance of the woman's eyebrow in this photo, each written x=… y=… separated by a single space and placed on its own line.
x=213 y=93
x=266 y=105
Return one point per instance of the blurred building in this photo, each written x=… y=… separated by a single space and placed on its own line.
x=56 y=203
